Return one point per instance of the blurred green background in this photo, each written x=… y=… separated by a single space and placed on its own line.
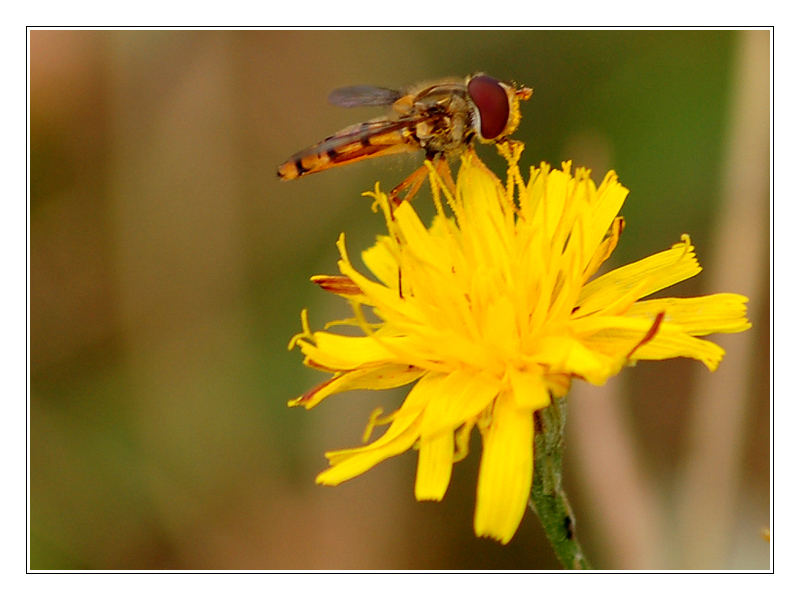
x=169 y=267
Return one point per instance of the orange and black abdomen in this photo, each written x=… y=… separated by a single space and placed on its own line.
x=366 y=140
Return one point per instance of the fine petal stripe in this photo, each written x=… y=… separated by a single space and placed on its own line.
x=650 y=275
x=610 y=197
x=459 y=398
x=380 y=377
x=722 y=313
x=555 y=193
x=506 y=471
x=605 y=248
x=614 y=336
x=671 y=344
x=412 y=230
x=434 y=466
x=344 y=352
x=381 y=259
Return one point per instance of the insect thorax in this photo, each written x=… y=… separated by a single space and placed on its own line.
x=449 y=128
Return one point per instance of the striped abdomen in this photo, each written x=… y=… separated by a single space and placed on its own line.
x=359 y=142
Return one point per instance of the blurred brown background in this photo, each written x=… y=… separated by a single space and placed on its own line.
x=169 y=266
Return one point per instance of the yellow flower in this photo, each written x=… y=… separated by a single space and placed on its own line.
x=491 y=312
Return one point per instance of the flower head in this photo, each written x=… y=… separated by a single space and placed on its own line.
x=492 y=310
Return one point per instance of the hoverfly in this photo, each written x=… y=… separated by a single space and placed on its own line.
x=441 y=118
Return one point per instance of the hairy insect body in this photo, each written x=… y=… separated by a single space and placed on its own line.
x=442 y=119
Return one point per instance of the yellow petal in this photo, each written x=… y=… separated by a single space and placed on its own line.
x=619 y=336
x=380 y=377
x=355 y=462
x=335 y=352
x=616 y=335
x=381 y=259
x=570 y=235
x=483 y=219
x=529 y=389
x=554 y=203
x=428 y=387
x=415 y=236
x=402 y=418
x=506 y=471
x=478 y=190
x=669 y=343
x=575 y=357
x=434 y=466
x=608 y=201
x=377 y=294
x=499 y=329
x=650 y=275
x=489 y=310
x=460 y=396
x=722 y=313
x=603 y=251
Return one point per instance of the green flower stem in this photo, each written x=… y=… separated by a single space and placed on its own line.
x=548 y=499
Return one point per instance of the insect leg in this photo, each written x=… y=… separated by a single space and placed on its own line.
x=442 y=166
x=413 y=182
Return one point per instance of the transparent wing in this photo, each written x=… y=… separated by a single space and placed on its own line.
x=363 y=95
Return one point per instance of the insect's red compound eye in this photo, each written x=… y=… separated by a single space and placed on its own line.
x=491 y=100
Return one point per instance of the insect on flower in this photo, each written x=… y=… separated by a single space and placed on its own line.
x=441 y=118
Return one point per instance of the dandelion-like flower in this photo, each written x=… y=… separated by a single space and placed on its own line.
x=492 y=311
